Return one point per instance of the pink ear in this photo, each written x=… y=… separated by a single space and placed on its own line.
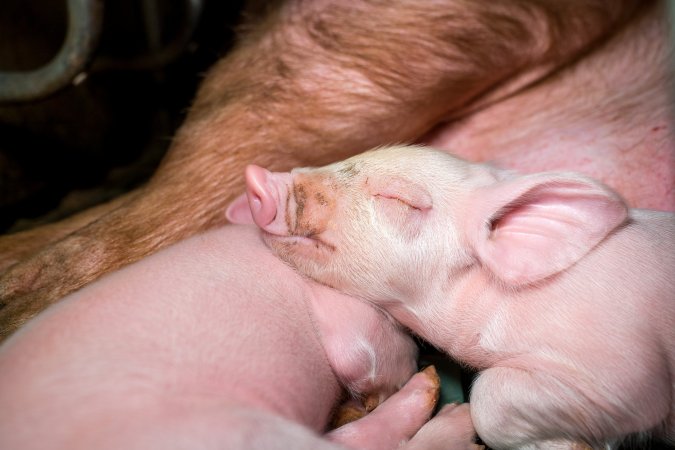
x=239 y=211
x=534 y=226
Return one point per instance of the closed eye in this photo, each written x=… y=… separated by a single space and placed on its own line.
x=405 y=219
x=397 y=199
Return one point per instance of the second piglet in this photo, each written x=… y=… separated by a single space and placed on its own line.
x=562 y=297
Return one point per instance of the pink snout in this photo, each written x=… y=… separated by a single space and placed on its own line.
x=260 y=194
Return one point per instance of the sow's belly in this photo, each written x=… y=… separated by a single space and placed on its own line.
x=609 y=116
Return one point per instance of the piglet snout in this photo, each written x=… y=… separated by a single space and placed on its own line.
x=287 y=204
x=261 y=198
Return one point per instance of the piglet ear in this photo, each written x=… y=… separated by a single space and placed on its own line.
x=239 y=211
x=534 y=226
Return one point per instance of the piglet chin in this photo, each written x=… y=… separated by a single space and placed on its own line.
x=301 y=252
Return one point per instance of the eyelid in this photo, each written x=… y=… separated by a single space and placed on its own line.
x=402 y=217
x=398 y=199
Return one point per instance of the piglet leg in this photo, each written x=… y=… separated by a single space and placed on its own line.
x=397 y=419
x=450 y=429
x=516 y=408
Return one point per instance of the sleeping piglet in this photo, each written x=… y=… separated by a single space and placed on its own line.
x=562 y=297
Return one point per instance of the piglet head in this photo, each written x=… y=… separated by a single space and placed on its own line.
x=402 y=224
x=364 y=225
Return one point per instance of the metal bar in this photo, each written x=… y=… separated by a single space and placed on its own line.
x=158 y=57
x=84 y=29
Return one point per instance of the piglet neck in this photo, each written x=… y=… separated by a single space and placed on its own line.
x=451 y=315
x=426 y=314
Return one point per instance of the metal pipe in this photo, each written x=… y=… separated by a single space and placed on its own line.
x=84 y=29
x=159 y=56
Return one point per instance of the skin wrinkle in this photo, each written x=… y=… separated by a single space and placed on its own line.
x=300 y=198
x=348 y=171
x=288 y=211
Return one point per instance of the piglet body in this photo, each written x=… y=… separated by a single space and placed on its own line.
x=547 y=283
x=211 y=343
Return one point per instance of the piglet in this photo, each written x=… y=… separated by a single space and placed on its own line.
x=212 y=343
x=547 y=283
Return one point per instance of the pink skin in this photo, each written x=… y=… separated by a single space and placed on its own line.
x=183 y=349
x=450 y=429
x=605 y=117
x=547 y=283
x=261 y=198
x=452 y=420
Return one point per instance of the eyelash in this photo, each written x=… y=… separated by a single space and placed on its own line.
x=401 y=202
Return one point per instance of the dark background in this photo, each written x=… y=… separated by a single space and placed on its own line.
x=91 y=142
